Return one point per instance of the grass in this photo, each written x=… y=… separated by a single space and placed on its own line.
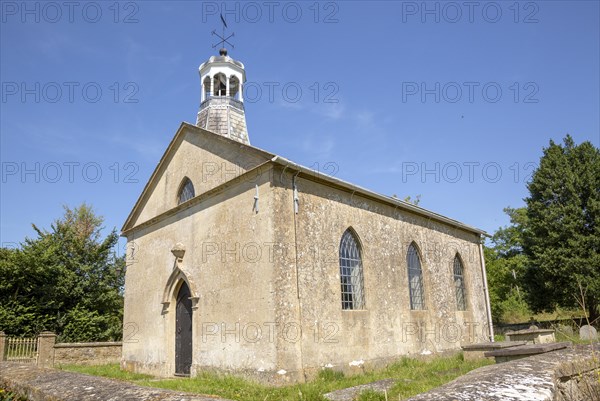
x=559 y=314
x=518 y=316
x=572 y=337
x=413 y=377
x=112 y=371
x=7 y=395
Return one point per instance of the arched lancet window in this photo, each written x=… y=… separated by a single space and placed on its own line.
x=351 y=272
x=459 y=284
x=206 y=85
x=186 y=191
x=415 y=279
x=234 y=87
x=220 y=85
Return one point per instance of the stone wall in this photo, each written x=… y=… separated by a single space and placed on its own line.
x=569 y=374
x=228 y=269
x=57 y=385
x=207 y=159
x=358 y=340
x=264 y=274
x=87 y=353
x=50 y=354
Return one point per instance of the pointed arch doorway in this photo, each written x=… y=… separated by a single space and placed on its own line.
x=183 y=331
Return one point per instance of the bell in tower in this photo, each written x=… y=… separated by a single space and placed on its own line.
x=222 y=102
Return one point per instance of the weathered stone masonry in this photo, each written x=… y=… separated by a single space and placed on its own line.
x=254 y=249
x=266 y=284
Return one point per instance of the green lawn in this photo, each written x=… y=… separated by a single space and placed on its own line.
x=413 y=377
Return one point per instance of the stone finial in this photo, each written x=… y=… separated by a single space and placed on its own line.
x=178 y=251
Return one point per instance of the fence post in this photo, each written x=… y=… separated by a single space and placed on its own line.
x=3 y=347
x=46 y=341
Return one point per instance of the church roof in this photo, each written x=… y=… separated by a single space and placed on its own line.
x=376 y=196
x=271 y=158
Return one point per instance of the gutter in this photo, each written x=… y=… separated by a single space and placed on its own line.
x=486 y=294
x=295 y=218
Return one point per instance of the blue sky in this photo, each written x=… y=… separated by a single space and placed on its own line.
x=452 y=101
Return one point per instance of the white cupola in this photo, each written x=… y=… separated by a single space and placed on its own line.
x=222 y=102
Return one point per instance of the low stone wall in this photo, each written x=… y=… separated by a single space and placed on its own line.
x=569 y=374
x=502 y=328
x=87 y=353
x=50 y=354
x=39 y=384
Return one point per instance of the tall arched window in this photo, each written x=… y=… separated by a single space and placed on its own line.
x=459 y=284
x=415 y=279
x=351 y=272
x=186 y=191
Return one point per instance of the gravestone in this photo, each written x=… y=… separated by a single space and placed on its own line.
x=532 y=336
x=524 y=351
x=564 y=329
x=588 y=332
x=476 y=351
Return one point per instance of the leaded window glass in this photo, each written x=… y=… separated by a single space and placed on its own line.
x=186 y=191
x=415 y=279
x=459 y=284
x=351 y=272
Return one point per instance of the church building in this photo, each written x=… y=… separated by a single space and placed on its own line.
x=242 y=261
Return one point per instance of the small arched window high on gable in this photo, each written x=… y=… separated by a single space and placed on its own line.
x=351 y=272
x=459 y=284
x=186 y=191
x=415 y=279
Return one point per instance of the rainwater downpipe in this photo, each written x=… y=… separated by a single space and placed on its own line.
x=486 y=293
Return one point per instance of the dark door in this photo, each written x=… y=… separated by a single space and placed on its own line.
x=183 y=332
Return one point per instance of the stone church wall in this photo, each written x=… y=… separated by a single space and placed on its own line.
x=230 y=275
x=207 y=159
x=266 y=283
x=352 y=340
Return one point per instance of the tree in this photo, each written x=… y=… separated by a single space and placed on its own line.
x=506 y=265
x=67 y=280
x=562 y=238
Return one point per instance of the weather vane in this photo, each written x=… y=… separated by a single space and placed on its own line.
x=222 y=37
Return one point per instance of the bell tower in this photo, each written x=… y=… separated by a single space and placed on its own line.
x=222 y=102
